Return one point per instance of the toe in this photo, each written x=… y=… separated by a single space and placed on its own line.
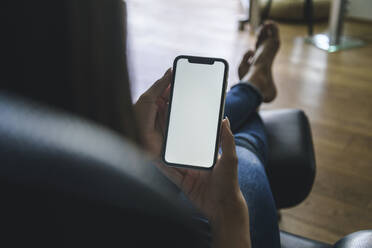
x=273 y=30
x=245 y=64
x=268 y=29
x=247 y=56
x=262 y=35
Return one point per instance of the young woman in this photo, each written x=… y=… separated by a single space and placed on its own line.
x=79 y=68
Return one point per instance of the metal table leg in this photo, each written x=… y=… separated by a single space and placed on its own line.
x=334 y=41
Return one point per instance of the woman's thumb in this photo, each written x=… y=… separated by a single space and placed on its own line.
x=227 y=141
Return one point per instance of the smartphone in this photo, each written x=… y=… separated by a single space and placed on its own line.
x=196 y=106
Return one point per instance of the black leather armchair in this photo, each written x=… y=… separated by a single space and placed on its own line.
x=291 y=163
x=66 y=182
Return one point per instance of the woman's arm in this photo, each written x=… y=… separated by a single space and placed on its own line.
x=230 y=226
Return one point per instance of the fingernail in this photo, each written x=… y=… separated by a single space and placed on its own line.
x=228 y=121
x=167 y=72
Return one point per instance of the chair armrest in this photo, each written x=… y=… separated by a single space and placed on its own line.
x=289 y=240
x=361 y=239
x=291 y=159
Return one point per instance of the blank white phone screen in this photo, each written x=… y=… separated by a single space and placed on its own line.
x=194 y=114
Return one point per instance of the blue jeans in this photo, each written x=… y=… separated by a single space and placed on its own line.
x=241 y=106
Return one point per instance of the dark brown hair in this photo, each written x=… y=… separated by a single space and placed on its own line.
x=72 y=55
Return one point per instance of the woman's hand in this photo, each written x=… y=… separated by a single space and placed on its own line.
x=151 y=111
x=210 y=190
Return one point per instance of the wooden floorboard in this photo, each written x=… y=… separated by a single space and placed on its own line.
x=335 y=90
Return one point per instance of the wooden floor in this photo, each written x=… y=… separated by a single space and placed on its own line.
x=335 y=90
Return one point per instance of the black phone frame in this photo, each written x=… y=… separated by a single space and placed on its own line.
x=198 y=60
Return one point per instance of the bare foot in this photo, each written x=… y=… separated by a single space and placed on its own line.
x=259 y=71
